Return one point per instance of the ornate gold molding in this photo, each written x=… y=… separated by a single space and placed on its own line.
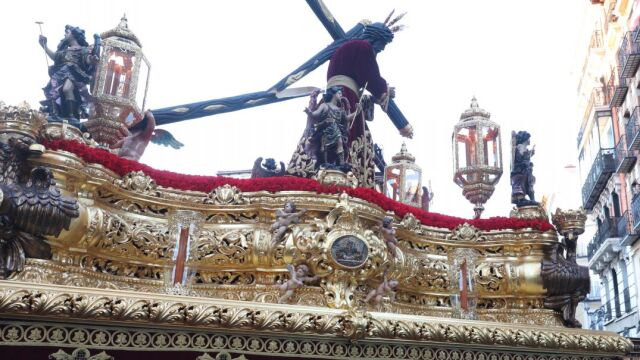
x=68 y=303
x=155 y=340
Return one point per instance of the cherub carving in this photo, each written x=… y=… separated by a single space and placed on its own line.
x=298 y=276
x=284 y=219
x=389 y=235
x=386 y=286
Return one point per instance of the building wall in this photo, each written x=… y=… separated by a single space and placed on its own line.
x=613 y=256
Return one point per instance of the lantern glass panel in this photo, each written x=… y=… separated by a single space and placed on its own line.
x=466 y=142
x=411 y=185
x=118 y=79
x=141 y=90
x=393 y=182
x=491 y=144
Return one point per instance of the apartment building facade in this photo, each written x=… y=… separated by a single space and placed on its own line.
x=608 y=148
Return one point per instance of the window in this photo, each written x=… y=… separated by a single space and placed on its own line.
x=616 y=293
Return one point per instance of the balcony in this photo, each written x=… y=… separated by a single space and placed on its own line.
x=607 y=229
x=605 y=245
x=632 y=131
x=626 y=229
x=628 y=56
x=618 y=87
x=635 y=212
x=625 y=159
x=603 y=166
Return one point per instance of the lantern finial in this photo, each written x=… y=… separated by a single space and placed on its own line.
x=404 y=155
x=474 y=110
x=123 y=22
x=122 y=31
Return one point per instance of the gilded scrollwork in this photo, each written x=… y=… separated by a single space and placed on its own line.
x=223 y=247
x=131 y=204
x=225 y=195
x=80 y=353
x=38 y=301
x=467 y=233
x=120 y=268
x=362 y=152
x=431 y=275
x=133 y=237
x=409 y=222
x=216 y=343
x=491 y=277
x=224 y=278
x=140 y=183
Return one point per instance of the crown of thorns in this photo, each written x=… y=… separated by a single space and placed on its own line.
x=384 y=31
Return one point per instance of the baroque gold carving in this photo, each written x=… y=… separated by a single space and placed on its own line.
x=410 y=222
x=225 y=195
x=361 y=152
x=491 y=277
x=336 y=177
x=431 y=275
x=223 y=247
x=223 y=355
x=102 y=305
x=139 y=182
x=80 y=353
x=133 y=237
x=158 y=340
x=316 y=244
x=468 y=233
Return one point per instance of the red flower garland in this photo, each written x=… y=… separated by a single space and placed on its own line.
x=207 y=183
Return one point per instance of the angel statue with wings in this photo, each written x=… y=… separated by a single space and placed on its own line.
x=298 y=276
x=133 y=146
x=522 y=179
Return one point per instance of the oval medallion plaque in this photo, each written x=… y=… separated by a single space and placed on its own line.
x=349 y=251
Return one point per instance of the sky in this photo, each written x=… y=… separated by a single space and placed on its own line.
x=521 y=59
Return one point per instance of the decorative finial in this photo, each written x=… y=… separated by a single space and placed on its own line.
x=404 y=155
x=474 y=110
x=474 y=102
x=122 y=31
x=123 y=22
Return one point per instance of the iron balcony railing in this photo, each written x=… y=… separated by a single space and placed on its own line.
x=625 y=159
x=628 y=56
x=635 y=211
x=603 y=166
x=624 y=225
x=607 y=229
x=626 y=228
x=617 y=87
x=632 y=130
